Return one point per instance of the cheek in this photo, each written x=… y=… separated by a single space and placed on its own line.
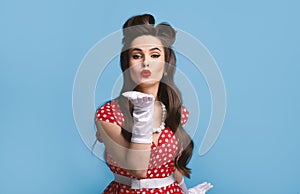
x=159 y=66
x=133 y=62
x=158 y=71
x=134 y=73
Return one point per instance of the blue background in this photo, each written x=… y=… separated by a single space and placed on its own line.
x=255 y=43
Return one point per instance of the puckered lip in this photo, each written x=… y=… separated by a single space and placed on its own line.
x=146 y=73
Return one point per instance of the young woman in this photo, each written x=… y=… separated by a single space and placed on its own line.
x=147 y=148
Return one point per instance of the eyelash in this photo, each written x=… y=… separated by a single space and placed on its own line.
x=136 y=56
x=155 y=55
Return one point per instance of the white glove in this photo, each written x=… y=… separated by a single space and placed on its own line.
x=199 y=189
x=142 y=116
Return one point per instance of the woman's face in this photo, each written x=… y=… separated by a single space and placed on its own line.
x=146 y=60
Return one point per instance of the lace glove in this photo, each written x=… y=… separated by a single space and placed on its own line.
x=142 y=116
x=199 y=189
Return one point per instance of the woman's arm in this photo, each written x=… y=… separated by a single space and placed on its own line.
x=132 y=156
x=178 y=176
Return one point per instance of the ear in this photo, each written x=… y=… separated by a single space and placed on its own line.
x=166 y=69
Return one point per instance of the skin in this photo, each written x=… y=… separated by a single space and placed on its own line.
x=146 y=53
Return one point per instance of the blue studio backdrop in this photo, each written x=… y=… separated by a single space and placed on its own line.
x=255 y=44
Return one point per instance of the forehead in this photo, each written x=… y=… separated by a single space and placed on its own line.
x=146 y=41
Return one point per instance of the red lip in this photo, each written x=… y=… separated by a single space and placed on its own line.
x=146 y=73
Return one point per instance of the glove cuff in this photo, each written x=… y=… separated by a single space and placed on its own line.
x=144 y=140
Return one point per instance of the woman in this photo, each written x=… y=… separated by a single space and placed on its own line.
x=147 y=148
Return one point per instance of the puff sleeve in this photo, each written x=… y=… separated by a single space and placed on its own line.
x=184 y=115
x=110 y=112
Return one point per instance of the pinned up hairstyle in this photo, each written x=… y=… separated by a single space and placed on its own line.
x=168 y=92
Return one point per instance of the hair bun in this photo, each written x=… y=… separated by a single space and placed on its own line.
x=139 y=20
x=166 y=32
x=144 y=25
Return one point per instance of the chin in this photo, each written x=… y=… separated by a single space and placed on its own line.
x=148 y=83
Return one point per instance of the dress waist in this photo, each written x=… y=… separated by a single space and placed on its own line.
x=144 y=183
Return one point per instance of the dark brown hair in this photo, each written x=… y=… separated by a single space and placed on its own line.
x=168 y=92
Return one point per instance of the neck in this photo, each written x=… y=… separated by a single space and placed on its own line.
x=150 y=90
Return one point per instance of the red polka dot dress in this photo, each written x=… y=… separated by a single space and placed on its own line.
x=162 y=158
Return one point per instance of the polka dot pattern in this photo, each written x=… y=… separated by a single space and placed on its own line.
x=110 y=112
x=162 y=158
x=184 y=115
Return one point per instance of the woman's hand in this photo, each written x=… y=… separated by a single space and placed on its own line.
x=139 y=99
x=98 y=136
x=142 y=116
x=201 y=188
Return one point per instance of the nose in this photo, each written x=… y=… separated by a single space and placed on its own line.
x=145 y=64
x=146 y=61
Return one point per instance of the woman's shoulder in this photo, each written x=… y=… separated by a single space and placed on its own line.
x=110 y=112
x=184 y=115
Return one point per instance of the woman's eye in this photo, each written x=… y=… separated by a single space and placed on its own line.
x=136 y=56
x=155 y=55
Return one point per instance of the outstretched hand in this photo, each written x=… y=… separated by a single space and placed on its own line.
x=201 y=188
x=139 y=99
x=142 y=116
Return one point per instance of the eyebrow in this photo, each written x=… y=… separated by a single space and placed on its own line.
x=155 y=49
x=138 y=49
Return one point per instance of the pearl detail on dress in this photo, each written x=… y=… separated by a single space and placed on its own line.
x=163 y=117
